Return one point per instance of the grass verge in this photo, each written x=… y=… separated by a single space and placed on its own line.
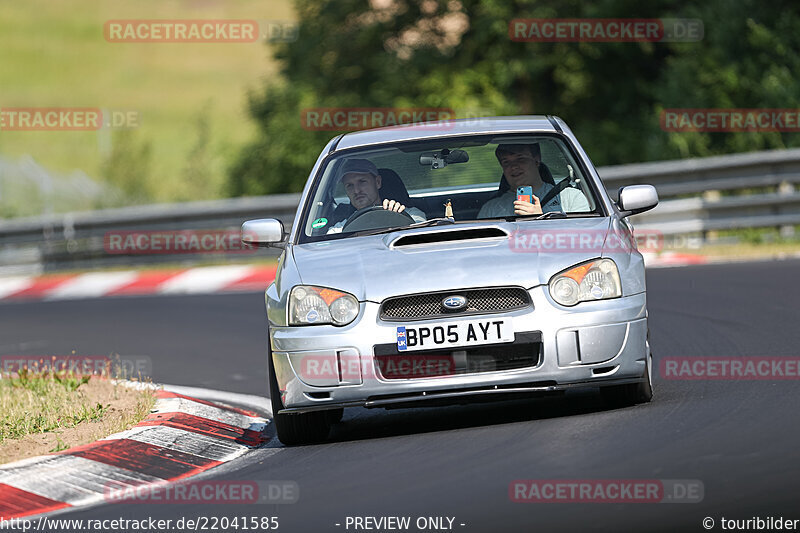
x=46 y=412
x=190 y=98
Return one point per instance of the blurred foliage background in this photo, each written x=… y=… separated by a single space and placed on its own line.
x=191 y=100
x=225 y=119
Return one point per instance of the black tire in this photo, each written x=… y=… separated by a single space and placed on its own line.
x=335 y=415
x=304 y=428
x=631 y=394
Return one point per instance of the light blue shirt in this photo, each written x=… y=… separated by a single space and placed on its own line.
x=569 y=200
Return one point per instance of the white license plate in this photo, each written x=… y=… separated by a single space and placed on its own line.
x=454 y=334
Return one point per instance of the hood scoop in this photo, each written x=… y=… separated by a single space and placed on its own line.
x=430 y=237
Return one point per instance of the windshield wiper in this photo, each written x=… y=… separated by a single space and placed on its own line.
x=543 y=216
x=555 y=214
x=442 y=221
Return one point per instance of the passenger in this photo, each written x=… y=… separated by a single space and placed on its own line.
x=521 y=167
x=362 y=183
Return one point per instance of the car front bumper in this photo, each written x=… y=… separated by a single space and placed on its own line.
x=591 y=344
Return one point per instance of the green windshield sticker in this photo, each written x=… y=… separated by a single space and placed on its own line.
x=319 y=223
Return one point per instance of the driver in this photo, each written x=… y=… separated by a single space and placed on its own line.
x=362 y=183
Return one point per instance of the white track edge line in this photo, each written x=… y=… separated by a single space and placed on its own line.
x=235 y=399
x=259 y=403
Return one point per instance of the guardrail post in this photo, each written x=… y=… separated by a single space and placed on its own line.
x=786 y=189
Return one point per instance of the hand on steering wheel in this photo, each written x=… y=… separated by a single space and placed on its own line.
x=394 y=211
x=393 y=205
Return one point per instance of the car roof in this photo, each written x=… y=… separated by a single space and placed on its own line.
x=449 y=128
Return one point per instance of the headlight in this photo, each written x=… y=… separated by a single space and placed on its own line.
x=595 y=280
x=318 y=305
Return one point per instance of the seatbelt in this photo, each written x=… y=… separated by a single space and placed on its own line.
x=563 y=184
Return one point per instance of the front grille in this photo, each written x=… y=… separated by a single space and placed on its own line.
x=479 y=302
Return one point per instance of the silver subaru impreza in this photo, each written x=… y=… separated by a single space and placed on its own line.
x=452 y=262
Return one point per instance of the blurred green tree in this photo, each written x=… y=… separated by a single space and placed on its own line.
x=196 y=178
x=458 y=54
x=126 y=169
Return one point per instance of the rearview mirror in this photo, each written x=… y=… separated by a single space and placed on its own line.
x=443 y=158
x=635 y=199
x=263 y=232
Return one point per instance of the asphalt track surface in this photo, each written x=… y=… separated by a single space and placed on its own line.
x=740 y=438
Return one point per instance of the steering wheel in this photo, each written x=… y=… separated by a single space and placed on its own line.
x=375 y=217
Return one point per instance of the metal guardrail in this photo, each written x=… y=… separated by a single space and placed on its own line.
x=768 y=168
x=696 y=215
x=190 y=215
x=75 y=240
x=773 y=169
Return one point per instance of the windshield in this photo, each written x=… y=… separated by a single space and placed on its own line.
x=446 y=181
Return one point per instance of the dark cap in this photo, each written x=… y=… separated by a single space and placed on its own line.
x=361 y=166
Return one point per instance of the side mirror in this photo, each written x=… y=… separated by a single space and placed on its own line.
x=263 y=232
x=635 y=199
